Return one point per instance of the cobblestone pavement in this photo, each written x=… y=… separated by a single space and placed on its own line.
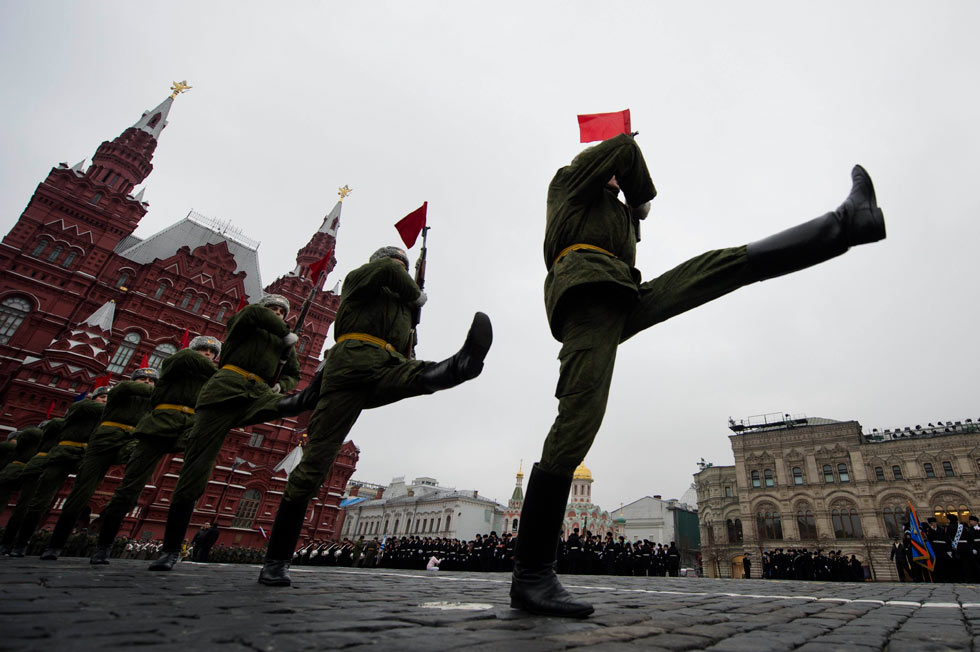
x=71 y=605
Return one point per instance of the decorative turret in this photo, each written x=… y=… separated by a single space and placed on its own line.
x=517 y=498
x=87 y=344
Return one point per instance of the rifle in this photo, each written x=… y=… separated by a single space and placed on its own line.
x=413 y=338
x=299 y=325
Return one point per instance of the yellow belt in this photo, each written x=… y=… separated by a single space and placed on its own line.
x=40 y=454
x=576 y=247
x=18 y=463
x=116 y=424
x=178 y=408
x=69 y=443
x=242 y=372
x=370 y=339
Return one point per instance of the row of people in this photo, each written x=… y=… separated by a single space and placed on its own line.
x=955 y=546
x=594 y=300
x=803 y=564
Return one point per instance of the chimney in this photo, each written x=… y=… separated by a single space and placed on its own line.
x=657 y=496
x=475 y=492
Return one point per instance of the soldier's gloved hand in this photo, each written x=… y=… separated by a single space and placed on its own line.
x=640 y=212
x=276 y=388
x=290 y=338
x=423 y=297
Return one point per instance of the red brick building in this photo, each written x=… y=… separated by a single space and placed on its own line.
x=80 y=295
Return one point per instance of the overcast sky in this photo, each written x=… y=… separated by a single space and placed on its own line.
x=750 y=115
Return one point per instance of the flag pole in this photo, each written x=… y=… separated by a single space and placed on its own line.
x=419 y=281
x=299 y=324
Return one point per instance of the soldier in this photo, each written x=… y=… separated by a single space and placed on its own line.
x=61 y=460
x=162 y=430
x=237 y=395
x=24 y=445
x=367 y=368
x=594 y=301
x=111 y=443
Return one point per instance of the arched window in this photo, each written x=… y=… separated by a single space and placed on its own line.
x=711 y=533
x=13 y=310
x=897 y=472
x=395 y=531
x=828 y=474
x=123 y=354
x=42 y=244
x=806 y=523
x=55 y=379
x=450 y=518
x=847 y=523
x=222 y=309
x=738 y=529
x=767 y=474
x=893 y=518
x=928 y=469
x=69 y=259
x=247 y=507
x=948 y=469
x=161 y=353
x=730 y=527
x=302 y=345
x=842 y=473
x=879 y=474
x=53 y=256
x=197 y=305
x=95 y=199
x=797 y=475
x=123 y=279
x=769 y=524
x=755 y=480
x=187 y=299
x=161 y=290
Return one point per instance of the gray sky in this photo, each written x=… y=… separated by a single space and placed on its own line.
x=750 y=114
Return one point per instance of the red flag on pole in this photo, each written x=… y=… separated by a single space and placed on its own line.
x=185 y=341
x=102 y=381
x=47 y=415
x=242 y=302
x=320 y=265
x=412 y=224
x=602 y=126
x=144 y=363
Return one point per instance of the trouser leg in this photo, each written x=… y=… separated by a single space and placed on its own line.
x=591 y=331
x=204 y=443
x=90 y=473
x=142 y=463
x=53 y=476
x=27 y=488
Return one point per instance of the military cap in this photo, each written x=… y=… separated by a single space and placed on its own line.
x=206 y=342
x=99 y=391
x=146 y=372
x=390 y=252
x=275 y=300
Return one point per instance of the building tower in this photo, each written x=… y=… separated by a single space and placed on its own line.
x=512 y=514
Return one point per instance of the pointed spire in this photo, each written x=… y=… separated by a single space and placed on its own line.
x=154 y=120
x=102 y=318
x=77 y=168
x=139 y=195
x=332 y=221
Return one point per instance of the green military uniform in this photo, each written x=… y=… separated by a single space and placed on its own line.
x=111 y=443
x=28 y=478
x=161 y=431
x=24 y=446
x=365 y=369
x=63 y=459
x=593 y=295
x=7 y=449
x=237 y=395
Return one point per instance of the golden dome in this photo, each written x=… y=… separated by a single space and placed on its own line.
x=582 y=473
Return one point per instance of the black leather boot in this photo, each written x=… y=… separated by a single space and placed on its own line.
x=62 y=530
x=178 y=518
x=535 y=587
x=100 y=557
x=111 y=522
x=24 y=534
x=302 y=401
x=467 y=363
x=857 y=221
x=282 y=543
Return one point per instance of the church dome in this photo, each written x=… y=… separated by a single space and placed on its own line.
x=582 y=473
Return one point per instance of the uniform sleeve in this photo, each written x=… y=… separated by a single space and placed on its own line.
x=256 y=316
x=589 y=172
x=290 y=373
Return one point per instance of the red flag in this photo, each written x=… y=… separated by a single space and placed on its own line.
x=320 y=265
x=185 y=341
x=144 y=363
x=242 y=302
x=412 y=224
x=47 y=415
x=602 y=126
x=102 y=381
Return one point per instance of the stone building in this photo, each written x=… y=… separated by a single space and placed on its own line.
x=580 y=512
x=81 y=295
x=817 y=483
x=422 y=508
x=661 y=521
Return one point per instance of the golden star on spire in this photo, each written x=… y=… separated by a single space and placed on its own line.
x=343 y=192
x=179 y=87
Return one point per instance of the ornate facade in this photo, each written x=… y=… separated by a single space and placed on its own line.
x=72 y=255
x=818 y=483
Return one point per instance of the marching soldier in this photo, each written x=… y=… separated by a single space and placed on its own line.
x=238 y=394
x=27 y=479
x=162 y=430
x=24 y=444
x=367 y=368
x=111 y=443
x=594 y=301
x=61 y=460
